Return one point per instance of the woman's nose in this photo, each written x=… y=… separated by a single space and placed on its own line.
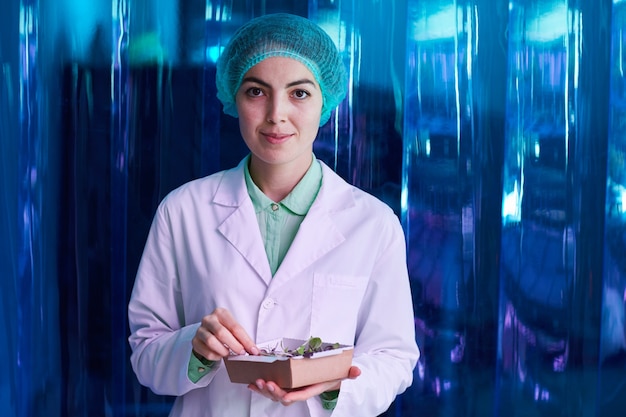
x=277 y=110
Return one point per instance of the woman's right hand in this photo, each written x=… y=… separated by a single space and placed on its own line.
x=220 y=335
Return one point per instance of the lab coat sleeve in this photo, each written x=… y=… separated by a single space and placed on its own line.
x=385 y=347
x=160 y=340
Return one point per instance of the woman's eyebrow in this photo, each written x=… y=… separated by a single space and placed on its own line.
x=302 y=81
x=289 y=85
x=255 y=80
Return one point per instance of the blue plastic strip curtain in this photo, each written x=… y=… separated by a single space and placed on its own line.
x=363 y=140
x=29 y=293
x=120 y=159
x=504 y=182
x=453 y=137
x=554 y=209
x=612 y=337
x=9 y=143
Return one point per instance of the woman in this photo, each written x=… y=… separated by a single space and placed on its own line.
x=279 y=246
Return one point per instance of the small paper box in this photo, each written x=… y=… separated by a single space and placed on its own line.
x=291 y=372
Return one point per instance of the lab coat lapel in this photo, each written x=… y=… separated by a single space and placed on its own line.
x=241 y=230
x=317 y=236
x=240 y=226
x=318 y=233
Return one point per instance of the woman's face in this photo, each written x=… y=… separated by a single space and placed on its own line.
x=279 y=104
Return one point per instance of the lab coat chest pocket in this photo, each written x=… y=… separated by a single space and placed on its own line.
x=336 y=303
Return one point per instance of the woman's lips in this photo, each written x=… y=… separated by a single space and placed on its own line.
x=275 y=137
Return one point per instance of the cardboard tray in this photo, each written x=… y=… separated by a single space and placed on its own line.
x=290 y=372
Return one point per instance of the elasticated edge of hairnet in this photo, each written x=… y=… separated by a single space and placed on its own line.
x=281 y=35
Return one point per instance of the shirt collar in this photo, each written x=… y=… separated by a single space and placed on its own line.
x=299 y=200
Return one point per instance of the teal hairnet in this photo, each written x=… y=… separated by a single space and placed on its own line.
x=283 y=35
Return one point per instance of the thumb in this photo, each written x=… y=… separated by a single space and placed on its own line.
x=354 y=372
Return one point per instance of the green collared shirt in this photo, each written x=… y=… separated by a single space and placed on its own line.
x=279 y=221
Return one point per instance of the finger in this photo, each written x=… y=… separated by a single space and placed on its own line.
x=270 y=390
x=278 y=393
x=260 y=387
x=244 y=339
x=304 y=393
x=210 y=350
x=354 y=372
x=309 y=391
x=207 y=345
x=213 y=328
x=233 y=335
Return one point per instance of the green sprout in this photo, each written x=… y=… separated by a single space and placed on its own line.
x=307 y=349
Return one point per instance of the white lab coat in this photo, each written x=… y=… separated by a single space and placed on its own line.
x=344 y=279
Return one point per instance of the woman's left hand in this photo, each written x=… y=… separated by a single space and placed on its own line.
x=272 y=391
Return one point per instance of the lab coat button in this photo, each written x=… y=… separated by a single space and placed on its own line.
x=268 y=304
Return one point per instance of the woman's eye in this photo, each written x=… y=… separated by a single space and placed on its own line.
x=255 y=92
x=300 y=94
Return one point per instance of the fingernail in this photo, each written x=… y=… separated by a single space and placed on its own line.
x=270 y=388
x=254 y=350
x=259 y=385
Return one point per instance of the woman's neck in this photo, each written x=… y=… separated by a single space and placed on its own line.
x=276 y=181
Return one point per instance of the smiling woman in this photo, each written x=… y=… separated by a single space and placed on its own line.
x=243 y=252
x=282 y=35
x=279 y=105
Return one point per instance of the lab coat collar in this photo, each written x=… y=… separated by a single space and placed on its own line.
x=318 y=233
x=240 y=226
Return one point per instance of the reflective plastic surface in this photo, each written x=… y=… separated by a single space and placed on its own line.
x=9 y=184
x=519 y=302
x=492 y=128
x=562 y=308
x=453 y=138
